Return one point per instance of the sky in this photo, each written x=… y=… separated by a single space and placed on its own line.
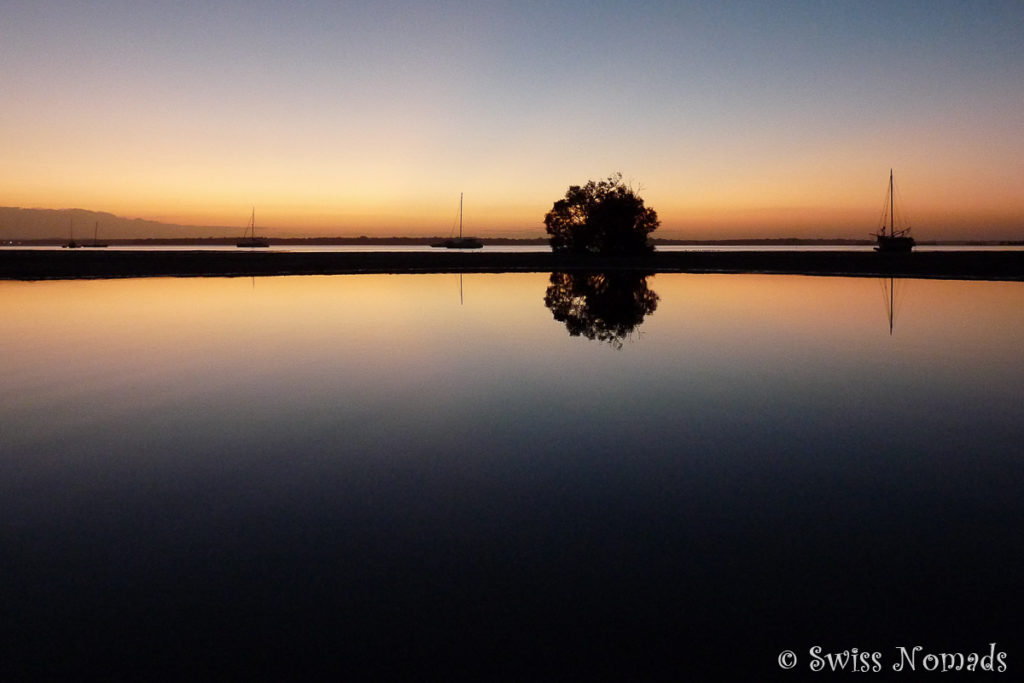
x=732 y=119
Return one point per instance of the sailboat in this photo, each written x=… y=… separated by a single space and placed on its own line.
x=72 y=244
x=895 y=241
x=460 y=242
x=252 y=240
x=96 y=244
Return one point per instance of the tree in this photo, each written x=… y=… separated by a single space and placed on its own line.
x=604 y=217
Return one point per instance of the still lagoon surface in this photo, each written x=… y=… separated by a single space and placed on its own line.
x=507 y=476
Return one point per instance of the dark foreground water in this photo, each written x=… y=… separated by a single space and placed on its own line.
x=530 y=478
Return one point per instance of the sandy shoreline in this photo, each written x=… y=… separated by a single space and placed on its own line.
x=110 y=263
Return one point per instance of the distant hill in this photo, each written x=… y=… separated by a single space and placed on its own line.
x=44 y=224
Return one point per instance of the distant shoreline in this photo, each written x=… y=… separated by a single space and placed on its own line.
x=492 y=241
x=40 y=264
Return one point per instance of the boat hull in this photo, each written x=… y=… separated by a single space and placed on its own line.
x=459 y=243
x=894 y=245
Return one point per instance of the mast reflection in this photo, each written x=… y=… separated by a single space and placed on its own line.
x=891 y=303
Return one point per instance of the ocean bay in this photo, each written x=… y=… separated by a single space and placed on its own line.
x=375 y=472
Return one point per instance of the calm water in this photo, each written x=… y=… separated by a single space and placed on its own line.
x=506 y=477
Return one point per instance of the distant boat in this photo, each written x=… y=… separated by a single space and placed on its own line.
x=95 y=242
x=72 y=244
x=252 y=240
x=459 y=242
x=895 y=241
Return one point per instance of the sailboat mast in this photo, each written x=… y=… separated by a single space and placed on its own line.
x=460 y=215
x=892 y=207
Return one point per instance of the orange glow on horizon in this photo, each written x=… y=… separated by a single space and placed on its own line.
x=394 y=200
x=935 y=215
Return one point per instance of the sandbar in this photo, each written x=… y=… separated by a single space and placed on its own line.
x=50 y=264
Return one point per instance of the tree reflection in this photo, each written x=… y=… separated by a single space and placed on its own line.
x=606 y=307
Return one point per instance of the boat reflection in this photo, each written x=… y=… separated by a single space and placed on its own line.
x=892 y=302
x=605 y=307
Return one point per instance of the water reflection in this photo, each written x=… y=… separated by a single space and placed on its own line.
x=606 y=307
x=355 y=478
x=891 y=300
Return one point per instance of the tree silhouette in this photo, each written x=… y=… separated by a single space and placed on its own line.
x=606 y=307
x=604 y=217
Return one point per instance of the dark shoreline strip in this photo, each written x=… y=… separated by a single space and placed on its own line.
x=29 y=264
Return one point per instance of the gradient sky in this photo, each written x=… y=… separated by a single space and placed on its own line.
x=735 y=119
